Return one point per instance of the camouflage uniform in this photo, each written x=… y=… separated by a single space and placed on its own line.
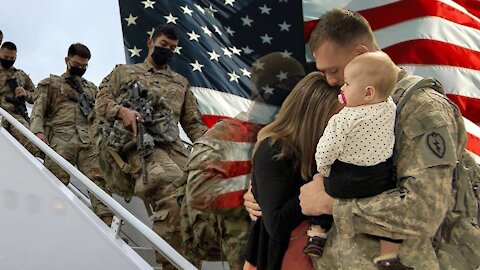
x=428 y=144
x=166 y=163
x=225 y=231
x=67 y=130
x=7 y=92
x=220 y=227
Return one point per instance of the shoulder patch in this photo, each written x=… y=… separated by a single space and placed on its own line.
x=436 y=143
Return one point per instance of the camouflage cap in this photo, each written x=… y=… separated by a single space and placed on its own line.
x=273 y=69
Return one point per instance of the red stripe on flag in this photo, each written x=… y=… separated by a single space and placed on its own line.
x=473 y=6
x=470 y=107
x=402 y=11
x=473 y=144
x=433 y=52
x=210 y=119
x=229 y=169
x=229 y=200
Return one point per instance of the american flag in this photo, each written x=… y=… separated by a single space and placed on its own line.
x=219 y=41
x=430 y=38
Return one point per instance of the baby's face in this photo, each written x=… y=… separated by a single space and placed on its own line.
x=353 y=92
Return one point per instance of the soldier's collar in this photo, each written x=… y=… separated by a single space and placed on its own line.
x=4 y=69
x=151 y=69
x=398 y=91
x=64 y=75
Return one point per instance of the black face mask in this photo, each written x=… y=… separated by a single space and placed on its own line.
x=161 y=56
x=6 y=63
x=76 y=71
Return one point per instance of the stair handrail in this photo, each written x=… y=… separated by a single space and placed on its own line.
x=158 y=243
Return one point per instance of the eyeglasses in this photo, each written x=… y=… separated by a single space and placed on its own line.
x=78 y=65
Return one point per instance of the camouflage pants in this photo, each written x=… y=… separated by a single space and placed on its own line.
x=85 y=158
x=19 y=136
x=213 y=236
x=164 y=173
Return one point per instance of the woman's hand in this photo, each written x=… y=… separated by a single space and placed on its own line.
x=313 y=198
x=251 y=205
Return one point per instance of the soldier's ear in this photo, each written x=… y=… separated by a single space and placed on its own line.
x=66 y=61
x=361 y=49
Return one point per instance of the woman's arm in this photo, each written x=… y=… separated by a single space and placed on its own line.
x=277 y=192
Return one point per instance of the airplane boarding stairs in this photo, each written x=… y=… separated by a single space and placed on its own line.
x=46 y=225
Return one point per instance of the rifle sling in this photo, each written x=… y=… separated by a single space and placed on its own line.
x=125 y=167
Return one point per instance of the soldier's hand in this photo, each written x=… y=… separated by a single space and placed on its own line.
x=251 y=205
x=313 y=198
x=129 y=119
x=42 y=137
x=20 y=92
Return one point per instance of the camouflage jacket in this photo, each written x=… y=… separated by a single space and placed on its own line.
x=55 y=111
x=227 y=141
x=428 y=145
x=173 y=87
x=5 y=90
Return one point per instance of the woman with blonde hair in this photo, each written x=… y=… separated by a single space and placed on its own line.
x=283 y=161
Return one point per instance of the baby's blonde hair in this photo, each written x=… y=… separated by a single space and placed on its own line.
x=378 y=70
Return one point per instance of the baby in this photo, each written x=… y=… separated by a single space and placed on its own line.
x=354 y=153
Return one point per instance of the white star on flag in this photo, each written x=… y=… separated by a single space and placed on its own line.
x=282 y=75
x=193 y=36
x=186 y=10
x=247 y=50
x=229 y=31
x=266 y=39
x=258 y=65
x=286 y=54
x=148 y=4
x=284 y=26
x=213 y=55
x=227 y=52
x=131 y=20
x=207 y=31
x=171 y=19
x=268 y=89
x=212 y=10
x=265 y=9
x=150 y=33
x=247 y=21
x=229 y=2
x=135 y=51
x=233 y=76
x=235 y=50
x=200 y=8
x=177 y=50
x=245 y=72
x=217 y=30
x=196 y=66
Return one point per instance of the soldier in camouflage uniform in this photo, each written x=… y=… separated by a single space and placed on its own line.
x=59 y=120
x=219 y=231
x=165 y=165
x=8 y=55
x=430 y=139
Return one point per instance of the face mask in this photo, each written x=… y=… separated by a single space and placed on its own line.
x=6 y=63
x=161 y=56
x=76 y=71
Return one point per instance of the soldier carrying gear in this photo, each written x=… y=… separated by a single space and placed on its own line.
x=158 y=127
x=165 y=165
x=15 y=88
x=62 y=121
x=84 y=101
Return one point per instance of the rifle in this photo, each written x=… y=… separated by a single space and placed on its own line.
x=141 y=104
x=84 y=102
x=18 y=102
